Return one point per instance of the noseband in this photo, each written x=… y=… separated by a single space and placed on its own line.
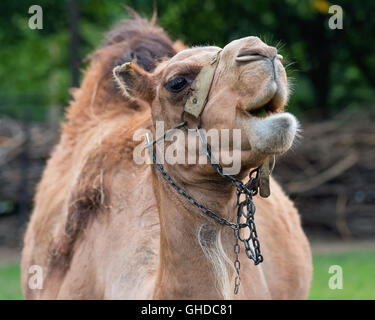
x=258 y=178
x=201 y=88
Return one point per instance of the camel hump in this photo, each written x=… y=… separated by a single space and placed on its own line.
x=144 y=42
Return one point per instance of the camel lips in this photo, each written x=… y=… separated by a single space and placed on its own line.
x=261 y=112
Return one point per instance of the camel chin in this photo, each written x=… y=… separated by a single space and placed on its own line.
x=272 y=135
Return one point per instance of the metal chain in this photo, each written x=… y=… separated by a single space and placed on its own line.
x=189 y=198
x=236 y=263
x=248 y=189
x=246 y=207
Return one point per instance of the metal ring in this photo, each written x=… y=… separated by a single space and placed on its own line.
x=183 y=120
x=273 y=164
x=254 y=170
x=185 y=125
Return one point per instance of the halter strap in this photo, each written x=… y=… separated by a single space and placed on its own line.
x=201 y=88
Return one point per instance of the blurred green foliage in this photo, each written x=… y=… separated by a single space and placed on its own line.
x=357 y=266
x=329 y=69
x=357 y=271
x=10 y=282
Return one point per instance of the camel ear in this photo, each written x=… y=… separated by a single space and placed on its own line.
x=134 y=82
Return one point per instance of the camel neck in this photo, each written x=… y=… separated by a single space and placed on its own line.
x=188 y=236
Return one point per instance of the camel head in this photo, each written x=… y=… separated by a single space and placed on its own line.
x=248 y=91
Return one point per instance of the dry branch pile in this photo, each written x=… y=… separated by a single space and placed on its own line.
x=331 y=175
x=24 y=149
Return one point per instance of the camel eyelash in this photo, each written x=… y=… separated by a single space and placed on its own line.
x=190 y=72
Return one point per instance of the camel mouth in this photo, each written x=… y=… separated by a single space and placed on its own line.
x=262 y=111
x=265 y=110
x=271 y=135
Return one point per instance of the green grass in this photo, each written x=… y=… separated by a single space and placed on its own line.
x=358 y=277
x=10 y=283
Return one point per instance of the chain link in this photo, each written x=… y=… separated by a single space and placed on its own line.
x=236 y=263
x=245 y=212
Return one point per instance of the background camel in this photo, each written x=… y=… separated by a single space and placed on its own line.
x=105 y=227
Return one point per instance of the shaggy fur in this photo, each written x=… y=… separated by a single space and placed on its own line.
x=105 y=228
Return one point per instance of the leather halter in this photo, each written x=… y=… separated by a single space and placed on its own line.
x=197 y=102
x=201 y=88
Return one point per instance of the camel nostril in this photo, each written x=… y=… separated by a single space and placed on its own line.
x=247 y=54
x=259 y=52
x=250 y=57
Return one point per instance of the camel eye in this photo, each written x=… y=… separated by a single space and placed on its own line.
x=176 y=85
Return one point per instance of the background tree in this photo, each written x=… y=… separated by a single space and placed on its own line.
x=330 y=69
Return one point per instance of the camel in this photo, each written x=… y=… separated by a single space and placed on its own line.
x=104 y=227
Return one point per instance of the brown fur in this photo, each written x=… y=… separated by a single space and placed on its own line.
x=104 y=227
